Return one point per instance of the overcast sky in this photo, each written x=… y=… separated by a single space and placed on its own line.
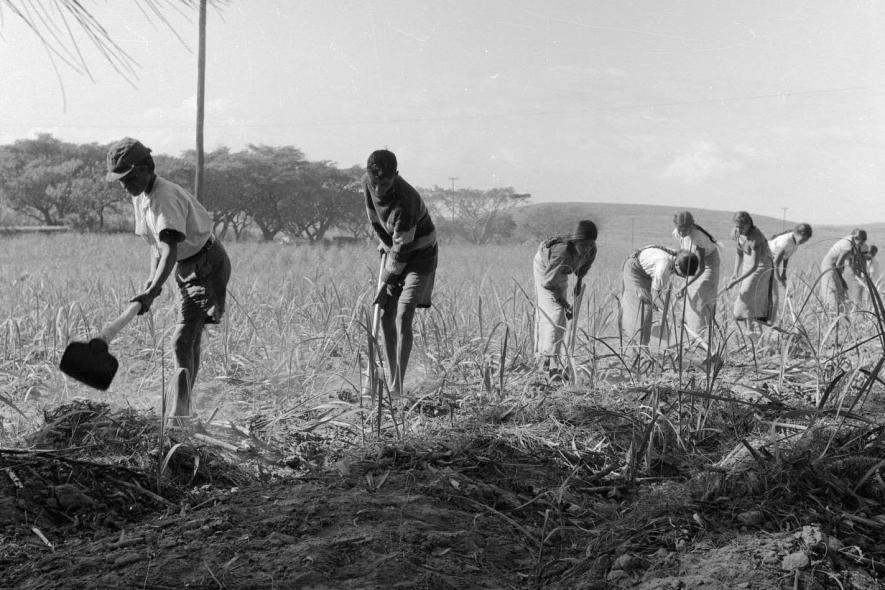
x=742 y=104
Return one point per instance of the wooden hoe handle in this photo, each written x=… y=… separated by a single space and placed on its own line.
x=111 y=330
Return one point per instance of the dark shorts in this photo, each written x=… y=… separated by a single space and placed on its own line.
x=415 y=288
x=202 y=281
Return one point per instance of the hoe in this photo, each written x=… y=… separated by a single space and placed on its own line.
x=91 y=362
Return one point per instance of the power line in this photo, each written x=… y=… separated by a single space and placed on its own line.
x=481 y=116
x=453 y=179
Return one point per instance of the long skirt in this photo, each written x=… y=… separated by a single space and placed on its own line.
x=636 y=304
x=833 y=289
x=550 y=319
x=856 y=289
x=701 y=302
x=756 y=298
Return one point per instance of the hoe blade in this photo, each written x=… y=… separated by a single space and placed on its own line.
x=90 y=363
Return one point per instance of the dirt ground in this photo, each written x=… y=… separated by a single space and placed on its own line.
x=407 y=526
x=411 y=531
x=496 y=504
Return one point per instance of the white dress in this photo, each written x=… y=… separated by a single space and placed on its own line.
x=701 y=303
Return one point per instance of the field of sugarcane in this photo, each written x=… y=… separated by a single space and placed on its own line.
x=757 y=464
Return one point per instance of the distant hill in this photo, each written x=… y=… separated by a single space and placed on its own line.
x=623 y=228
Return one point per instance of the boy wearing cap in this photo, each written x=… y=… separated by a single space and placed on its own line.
x=179 y=230
x=408 y=238
x=555 y=259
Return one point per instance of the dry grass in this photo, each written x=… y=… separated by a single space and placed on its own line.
x=621 y=459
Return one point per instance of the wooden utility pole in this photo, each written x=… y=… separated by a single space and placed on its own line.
x=201 y=101
x=453 y=179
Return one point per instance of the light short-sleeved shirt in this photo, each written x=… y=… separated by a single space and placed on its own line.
x=656 y=264
x=836 y=251
x=784 y=244
x=694 y=241
x=169 y=207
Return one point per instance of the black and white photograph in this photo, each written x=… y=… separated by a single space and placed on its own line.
x=442 y=295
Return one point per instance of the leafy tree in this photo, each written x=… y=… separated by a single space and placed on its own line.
x=35 y=178
x=323 y=196
x=179 y=170
x=352 y=219
x=267 y=176
x=273 y=188
x=480 y=217
x=55 y=183
x=96 y=198
x=225 y=193
x=223 y=184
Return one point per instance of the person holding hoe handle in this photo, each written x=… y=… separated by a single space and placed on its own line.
x=701 y=288
x=179 y=231
x=407 y=239
x=754 y=273
x=555 y=259
x=645 y=281
x=784 y=245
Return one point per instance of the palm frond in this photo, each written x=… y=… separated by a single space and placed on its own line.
x=60 y=26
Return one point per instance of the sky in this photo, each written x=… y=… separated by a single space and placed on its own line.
x=771 y=107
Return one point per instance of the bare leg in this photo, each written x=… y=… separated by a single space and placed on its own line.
x=388 y=328
x=404 y=318
x=398 y=339
x=181 y=388
x=198 y=348
x=645 y=319
x=186 y=343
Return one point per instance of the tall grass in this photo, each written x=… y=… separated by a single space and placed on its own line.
x=295 y=332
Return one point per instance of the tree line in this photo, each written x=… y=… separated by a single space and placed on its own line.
x=260 y=190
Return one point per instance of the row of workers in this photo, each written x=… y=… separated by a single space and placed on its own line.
x=178 y=230
x=760 y=271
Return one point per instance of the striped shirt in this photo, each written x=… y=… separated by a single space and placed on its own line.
x=404 y=227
